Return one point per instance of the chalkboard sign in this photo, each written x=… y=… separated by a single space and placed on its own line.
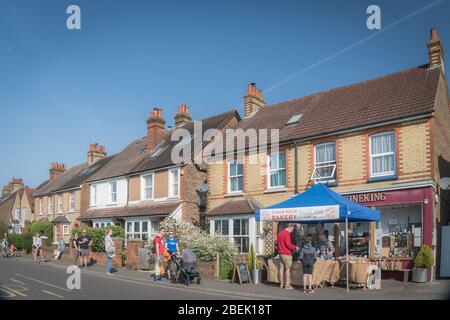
x=242 y=273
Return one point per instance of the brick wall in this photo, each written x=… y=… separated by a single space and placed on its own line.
x=133 y=253
x=190 y=180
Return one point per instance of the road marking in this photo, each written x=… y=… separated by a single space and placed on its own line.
x=52 y=293
x=10 y=294
x=16 y=281
x=42 y=282
x=17 y=290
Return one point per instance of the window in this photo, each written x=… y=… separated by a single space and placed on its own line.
x=241 y=235
x=94 y=195
x=140 y=229
x=72 y=201
x=221 y=227
x=294 y=119
x=382 y=154
x=66 y=230
x=50 y=204
x=325 y=162
x=174 y=183
x=17 y=214
x=41 y=205
x=277 y=170
x=235 y=176
x=60 y=203
x=148 y=187
x=113 y=192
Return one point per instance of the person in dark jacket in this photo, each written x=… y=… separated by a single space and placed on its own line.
x=308 y=257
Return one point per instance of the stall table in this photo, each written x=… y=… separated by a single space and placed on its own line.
x=325 y=271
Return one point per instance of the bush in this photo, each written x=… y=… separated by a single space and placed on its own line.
x=424 y=259
x=45 y=228
x=97 y=235
x=21 y=241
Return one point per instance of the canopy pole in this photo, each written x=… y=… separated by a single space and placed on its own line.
x=346 y=248
x=255 y=270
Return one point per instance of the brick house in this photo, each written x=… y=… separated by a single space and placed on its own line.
x=16 y=206
x=62 y=197
x=384 y=143
x=142 y=184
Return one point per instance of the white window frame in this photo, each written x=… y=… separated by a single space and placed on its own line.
x=111 y=192
x=151 y=232
x=50 y=204
x=93 y=195
x=144 y=186
x=270 y=171
x=72 y=201
x=17 y=214
x=393 y=153
x=41 y=206
x=60 y=203
x=319 y=165
x=233 y=236
x=66 y=226
x=221 y=227
x=171 y=182
x=235 y=162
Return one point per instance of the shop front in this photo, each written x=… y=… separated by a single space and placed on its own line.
x=406 y=224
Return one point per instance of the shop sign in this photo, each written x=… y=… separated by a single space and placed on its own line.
x=367 y=197
x=317 y=213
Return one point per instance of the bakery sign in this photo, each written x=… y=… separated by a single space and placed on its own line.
x=316 y=213
x=367 y=197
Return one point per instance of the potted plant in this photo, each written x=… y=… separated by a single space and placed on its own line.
x=250 y=262
x=422 y=264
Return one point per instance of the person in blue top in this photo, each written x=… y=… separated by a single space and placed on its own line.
x=172 y=247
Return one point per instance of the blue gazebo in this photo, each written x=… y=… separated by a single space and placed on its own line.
x=319 y=204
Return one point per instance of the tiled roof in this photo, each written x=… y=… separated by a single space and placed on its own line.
x=61 y=219
x=399 y=95
x=59 y=181
x=164 y=158
x=155 y=209
x=122 y=162
x=235 y=206
x=7 y=203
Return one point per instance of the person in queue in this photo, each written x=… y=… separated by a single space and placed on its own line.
x=172 y=247
x=159 y=248
x=285 y=248
x=308 y=256
x=84 y=246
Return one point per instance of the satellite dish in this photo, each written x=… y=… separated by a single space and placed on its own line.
x=444 y=183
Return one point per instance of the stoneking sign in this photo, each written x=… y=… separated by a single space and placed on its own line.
x=318 y=213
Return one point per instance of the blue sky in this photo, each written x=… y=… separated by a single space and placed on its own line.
x=60 y=90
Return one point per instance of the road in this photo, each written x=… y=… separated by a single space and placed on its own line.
x=22 y=279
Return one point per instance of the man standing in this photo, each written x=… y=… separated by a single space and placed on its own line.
x=326 y=248
x=85 y=243
x=158 y=245
x=285 y=248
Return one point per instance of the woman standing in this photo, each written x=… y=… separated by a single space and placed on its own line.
x=110 y=251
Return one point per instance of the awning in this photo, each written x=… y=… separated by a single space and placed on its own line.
x=316 y=205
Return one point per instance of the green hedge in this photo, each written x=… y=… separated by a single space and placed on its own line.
x=45 y=228
x=97 y=235
x=21 y=241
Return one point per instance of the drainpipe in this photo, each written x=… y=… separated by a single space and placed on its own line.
x=295 y=167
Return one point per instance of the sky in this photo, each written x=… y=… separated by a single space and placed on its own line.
x=62 y=89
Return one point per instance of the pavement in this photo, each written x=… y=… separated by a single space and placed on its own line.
x=21 y=278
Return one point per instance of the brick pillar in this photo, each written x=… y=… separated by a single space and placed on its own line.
x=118 y=244
x=133 y=253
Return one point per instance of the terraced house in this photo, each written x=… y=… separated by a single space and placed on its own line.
x=63 y=197
x=16 y=206
x=143 y=184
x=384 y=142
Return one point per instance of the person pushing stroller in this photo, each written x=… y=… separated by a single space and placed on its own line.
x=172 y=248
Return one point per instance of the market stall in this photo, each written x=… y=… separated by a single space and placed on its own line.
x=317 y=205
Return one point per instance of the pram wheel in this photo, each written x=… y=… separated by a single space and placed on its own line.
x=187 y=281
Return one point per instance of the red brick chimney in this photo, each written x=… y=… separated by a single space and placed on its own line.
x=253 y=100
x=6 y=190
x=436 y=51
x=155 y=129
x=16 y=184
x=183 y=116
x=56 y=169
x=95 y=153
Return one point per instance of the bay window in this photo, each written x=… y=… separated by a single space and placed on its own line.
x=241 y=234
x=382 y=154
x=277 y=169
x=141 y=229
x=235 y=176
x=221 y=227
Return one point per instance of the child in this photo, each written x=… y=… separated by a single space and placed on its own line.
x=308 y=256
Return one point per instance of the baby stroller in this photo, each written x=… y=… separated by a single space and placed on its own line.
x=187 y=271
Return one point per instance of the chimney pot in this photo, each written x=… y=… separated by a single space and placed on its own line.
x=155 y=129
x=253 y=100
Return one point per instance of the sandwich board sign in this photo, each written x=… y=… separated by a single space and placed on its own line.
x=242 y=273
